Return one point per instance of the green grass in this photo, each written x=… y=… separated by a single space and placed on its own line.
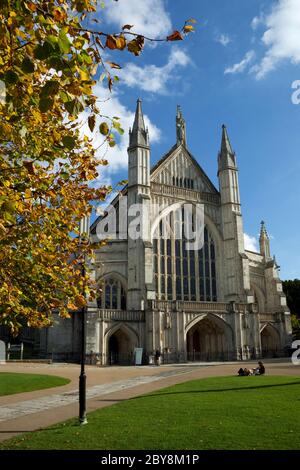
x=215 y=413
x=11 y=383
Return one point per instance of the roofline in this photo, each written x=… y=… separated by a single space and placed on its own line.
x=170 y=152
x=113 y=203
x=254 y=252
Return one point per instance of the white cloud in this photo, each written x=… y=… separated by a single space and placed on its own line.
x=149 y=17
x=257 y=21
x=251 y=243
x=241 y=66
x=282 y=37
x=223 y=39
x=155 y=79
x=110 y=105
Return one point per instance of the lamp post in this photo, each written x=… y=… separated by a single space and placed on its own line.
x=84 y=233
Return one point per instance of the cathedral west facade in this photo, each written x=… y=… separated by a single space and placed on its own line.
x=214 y=303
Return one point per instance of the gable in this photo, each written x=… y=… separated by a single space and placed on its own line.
x=179 y=168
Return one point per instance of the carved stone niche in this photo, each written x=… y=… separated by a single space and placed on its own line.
x=167 y=320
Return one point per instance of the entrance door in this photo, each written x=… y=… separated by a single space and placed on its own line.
x=206 y=341
x=120 y=348
x=270 y=342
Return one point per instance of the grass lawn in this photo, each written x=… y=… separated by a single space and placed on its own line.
x=215 y=413
x=11 y=383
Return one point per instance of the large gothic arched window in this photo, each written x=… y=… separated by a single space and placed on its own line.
x=112 y=295
x=181 y=274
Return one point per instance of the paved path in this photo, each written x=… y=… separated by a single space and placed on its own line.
x=31 y=411
x=37 y=405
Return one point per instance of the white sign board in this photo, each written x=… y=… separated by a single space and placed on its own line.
x=138 y=356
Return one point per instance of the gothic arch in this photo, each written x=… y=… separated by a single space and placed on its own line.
x=114 y=275
x=122 y=326
x=215 y=232
x=166 y=211
x=209 y=337
x=113 y=294
x=270 y=340
x=120 y=341
x=212 y=317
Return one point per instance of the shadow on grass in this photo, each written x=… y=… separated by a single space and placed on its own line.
x=257 y=387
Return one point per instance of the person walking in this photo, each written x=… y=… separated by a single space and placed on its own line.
x=157 y=357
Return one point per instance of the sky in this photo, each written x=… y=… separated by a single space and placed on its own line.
x=239 y=68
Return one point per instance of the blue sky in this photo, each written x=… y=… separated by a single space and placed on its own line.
x=238 y=69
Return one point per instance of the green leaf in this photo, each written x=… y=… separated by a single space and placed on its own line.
x=45 y=104
x=74 y=107
x=64 y=96
x=53 y=40
x=44 y=51
x=56 y=62
x=117 y=126
x=104 y=129
x=64 y=43
x=68 y=141
x=27 y=65
x=86 y=57
x=50 y=88
x=11 y=77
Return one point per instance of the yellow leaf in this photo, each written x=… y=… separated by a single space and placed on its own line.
x=28 y=194
x=84 y=76
x=188 y=28
x=114 y=65
x=80 y=301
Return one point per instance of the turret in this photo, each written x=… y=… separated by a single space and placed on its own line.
x=140 y=256
x=139 y=135
x=180 y=128
x=139 y=151
x=228 y=173
x=237 y=265
x=264 y=242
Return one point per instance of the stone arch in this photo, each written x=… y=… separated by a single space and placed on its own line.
x=209 y=338
x=120 y=341
x=118 y=290
x=114 y=275
x=270 y=341
x=207 y=220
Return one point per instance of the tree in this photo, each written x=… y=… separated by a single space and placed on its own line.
x=292 y=292
x=49 y=60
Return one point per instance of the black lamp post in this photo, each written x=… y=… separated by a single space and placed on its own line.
x=82 y=377
x=84 y=232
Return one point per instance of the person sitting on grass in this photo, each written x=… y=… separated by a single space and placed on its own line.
x=243 y=372
x=260 y=370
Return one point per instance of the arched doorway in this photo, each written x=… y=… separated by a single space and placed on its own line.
x=120 y=347
x=270 y=341
x=209 y=340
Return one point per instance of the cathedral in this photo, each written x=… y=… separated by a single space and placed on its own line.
x=217 y=302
